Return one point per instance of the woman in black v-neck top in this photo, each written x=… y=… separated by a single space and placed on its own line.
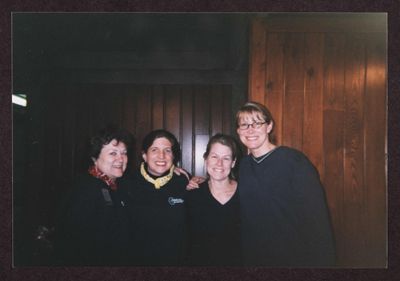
x=213 y=216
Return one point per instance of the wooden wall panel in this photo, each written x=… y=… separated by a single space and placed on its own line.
x=293 y=99
x=354 y=147
x=191 y=112
x=333 y=79
x=326 y=87
x=157 y=109
x=334 y=177
x=202 y=110
x=333 y=135
x=172 y=111
x=375 y=153
x=128 y=109
x=217 y=95
x=200 y=147
x=143 y=117
x=227 y=108
x=274 y=91
x=257 y=60
x=187 y=142
x=313 y=99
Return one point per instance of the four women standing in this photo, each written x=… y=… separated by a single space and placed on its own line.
x=283 y=219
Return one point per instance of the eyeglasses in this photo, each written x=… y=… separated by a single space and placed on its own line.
x=255 y=125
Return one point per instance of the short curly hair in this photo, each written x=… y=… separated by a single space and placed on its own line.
x=105 y=136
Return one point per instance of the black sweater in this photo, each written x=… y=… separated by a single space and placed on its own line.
x=158 y=221
x=285 y=219
x=213 y=229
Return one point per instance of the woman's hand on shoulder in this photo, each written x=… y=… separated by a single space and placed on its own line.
x=181 y=171
x=195 y=182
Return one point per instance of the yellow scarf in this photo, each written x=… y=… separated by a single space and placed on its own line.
x=159 y=182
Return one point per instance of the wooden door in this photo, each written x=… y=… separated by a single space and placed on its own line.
x=323 y=76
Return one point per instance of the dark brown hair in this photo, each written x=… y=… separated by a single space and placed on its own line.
x=161 y=133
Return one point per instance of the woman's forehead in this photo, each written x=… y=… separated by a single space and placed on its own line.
x=161 y=141
x=220 y=147
x=251 y=116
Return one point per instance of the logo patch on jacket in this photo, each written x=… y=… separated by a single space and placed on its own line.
x=172 y=201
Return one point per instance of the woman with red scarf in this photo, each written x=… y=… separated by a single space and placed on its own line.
x=93 y=222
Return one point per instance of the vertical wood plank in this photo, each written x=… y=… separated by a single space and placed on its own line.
x=172 y=110
x=294 y=90
x=334 y=71
x=217 y=109
x=313 y=100
x=333 y=134
x=143 y=118
x=375 y=152
x=157 y=109
x=201 y=144
x=129 y=108
x=274 y=92
x=187 y=129
x=202 y=126
x=227 y=110
x=334 y=177
x=257 y=61
x=354 y=199
x=202 y=110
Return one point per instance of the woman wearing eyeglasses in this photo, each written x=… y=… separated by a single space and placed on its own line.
x=284 y=215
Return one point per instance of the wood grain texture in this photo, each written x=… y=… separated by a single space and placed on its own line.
x=257 y=61
x=173 y=111
x=187 y=143
x=202 y=110
x=326 y=88
x=201 y=144
x=354 y=195
x=143 y=118
x=293 y=101
x=275 y=81
x=217 y=101
x=333 y=134
x=226 y=106
x=157 y=110
x=313 y=100
x=375 y=153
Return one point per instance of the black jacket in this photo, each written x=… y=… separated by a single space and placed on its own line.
x=92 y=226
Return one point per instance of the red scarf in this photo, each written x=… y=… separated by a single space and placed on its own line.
x=98 y=174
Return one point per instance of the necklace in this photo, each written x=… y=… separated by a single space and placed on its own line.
x=159 y=182
x=259 y=160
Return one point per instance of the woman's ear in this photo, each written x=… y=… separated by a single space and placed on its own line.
x=233 y=163
x=144 y=156
x=270 y=126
